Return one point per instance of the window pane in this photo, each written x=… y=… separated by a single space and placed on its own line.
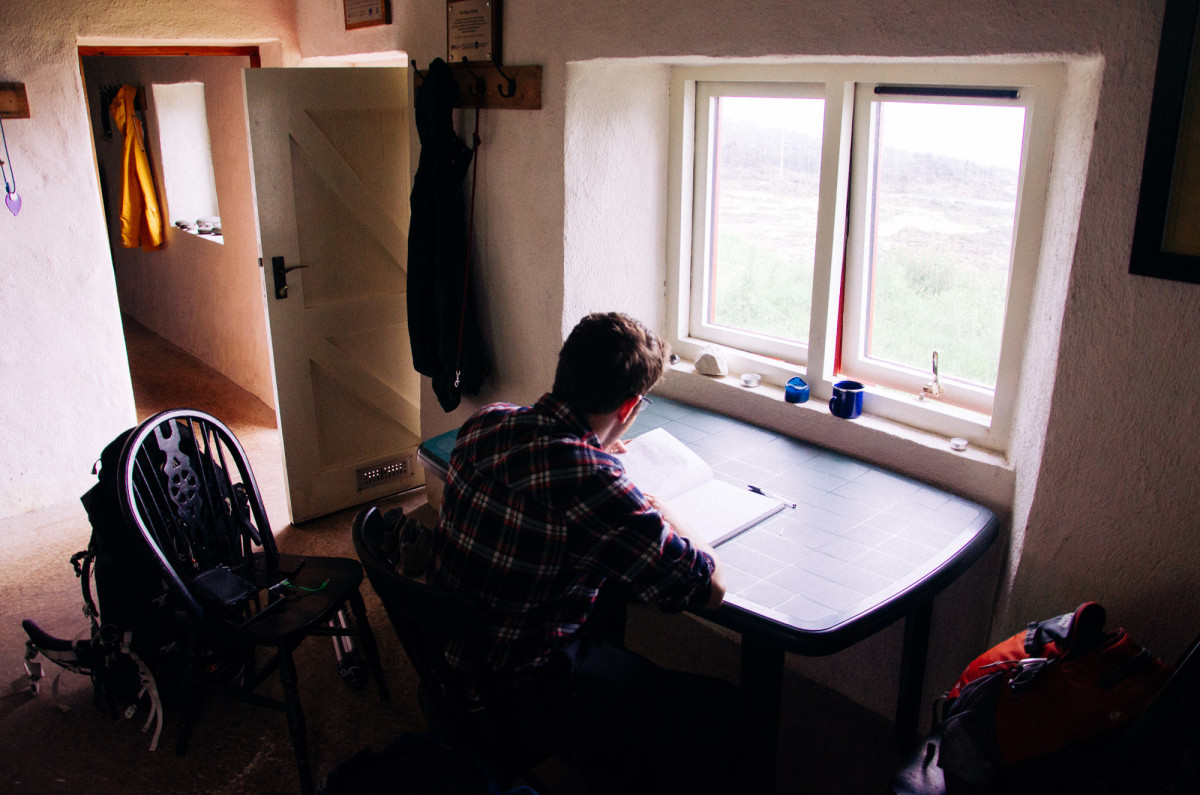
x=187 y=163
x=941 y=217
x=765 y=175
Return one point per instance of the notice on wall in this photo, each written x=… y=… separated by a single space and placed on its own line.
x=363 y=13
x=473 y=30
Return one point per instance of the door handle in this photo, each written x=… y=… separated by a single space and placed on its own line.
x=281 y=271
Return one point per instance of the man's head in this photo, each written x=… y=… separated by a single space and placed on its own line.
x=608 y=359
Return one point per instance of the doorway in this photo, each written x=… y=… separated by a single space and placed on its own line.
x=332 y=172
x=203 y=296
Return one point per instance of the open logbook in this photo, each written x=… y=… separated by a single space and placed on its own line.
x=662 y=466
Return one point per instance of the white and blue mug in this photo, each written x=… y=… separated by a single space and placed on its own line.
x=847 y=400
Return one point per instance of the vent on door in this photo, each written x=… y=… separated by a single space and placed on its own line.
x=381 y=473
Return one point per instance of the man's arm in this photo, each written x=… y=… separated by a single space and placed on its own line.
x=717 y=593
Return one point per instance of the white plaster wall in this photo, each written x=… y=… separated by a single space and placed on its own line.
x=205 y=297
x=615 y=151
x=64 y=382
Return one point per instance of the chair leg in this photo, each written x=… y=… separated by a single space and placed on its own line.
x=370 y=647
x=295 y=717
x=188 y=707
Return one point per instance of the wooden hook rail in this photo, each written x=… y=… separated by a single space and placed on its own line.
x=504 y=87
x=14 y=104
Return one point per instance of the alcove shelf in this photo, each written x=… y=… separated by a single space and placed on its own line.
x=14 y=104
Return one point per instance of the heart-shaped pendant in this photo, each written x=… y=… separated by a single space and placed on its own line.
x=13 y=200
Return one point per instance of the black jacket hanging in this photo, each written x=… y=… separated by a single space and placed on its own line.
x=442 y=326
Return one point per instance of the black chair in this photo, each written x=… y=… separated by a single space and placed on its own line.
x=188 y=488
x=425 y=619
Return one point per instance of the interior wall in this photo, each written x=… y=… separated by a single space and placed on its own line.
x=205 y=297
x=614 y=230
x=64 y=379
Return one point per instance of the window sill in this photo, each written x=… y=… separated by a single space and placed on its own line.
x=205 y=236
x=208 y=228
x=977 y=474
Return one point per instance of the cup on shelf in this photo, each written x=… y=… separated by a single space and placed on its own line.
x=847 y=400
x=796 y=390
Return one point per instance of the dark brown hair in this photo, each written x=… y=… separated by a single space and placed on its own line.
x=607 y=359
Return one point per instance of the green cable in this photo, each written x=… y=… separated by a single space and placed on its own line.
x=321 y=587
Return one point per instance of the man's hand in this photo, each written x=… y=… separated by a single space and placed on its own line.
x=617 y=447
x=717 y=594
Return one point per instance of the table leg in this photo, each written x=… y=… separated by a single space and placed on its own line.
x=912 y=673
x=762 y=681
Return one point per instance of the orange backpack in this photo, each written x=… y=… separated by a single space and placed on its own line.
x=1057 y=688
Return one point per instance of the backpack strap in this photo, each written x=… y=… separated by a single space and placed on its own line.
x=1069 y=635
x=149 y=689
x=81 y=561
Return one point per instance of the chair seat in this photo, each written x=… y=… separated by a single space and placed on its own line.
x=317 y=590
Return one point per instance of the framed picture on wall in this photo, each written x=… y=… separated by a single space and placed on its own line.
x=1166 y=235
x=365 y=13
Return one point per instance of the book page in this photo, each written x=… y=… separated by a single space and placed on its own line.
x=662 y=466
x=717 y=511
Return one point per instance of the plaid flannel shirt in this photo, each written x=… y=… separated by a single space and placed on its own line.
x=535 y=519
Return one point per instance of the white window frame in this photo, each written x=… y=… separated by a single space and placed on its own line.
x=698 y=325
x=854 y=321
x=1040 y=85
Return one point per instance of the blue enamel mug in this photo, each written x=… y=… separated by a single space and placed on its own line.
x=796 y=390
x=847 y=399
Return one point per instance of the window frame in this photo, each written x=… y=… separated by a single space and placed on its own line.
x=969 y=396
x=1041 y=84
x=702 y=206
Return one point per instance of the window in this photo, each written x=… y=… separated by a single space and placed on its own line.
x=187 y=164
x=754 y=251
x=880 y=223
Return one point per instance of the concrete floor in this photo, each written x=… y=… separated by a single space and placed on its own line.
x=63 y=743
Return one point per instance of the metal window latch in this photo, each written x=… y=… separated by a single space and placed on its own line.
x=932 y=389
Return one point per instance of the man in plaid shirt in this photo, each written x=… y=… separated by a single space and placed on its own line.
x=538 y=517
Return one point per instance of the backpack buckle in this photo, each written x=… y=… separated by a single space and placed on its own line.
x=1026 y=671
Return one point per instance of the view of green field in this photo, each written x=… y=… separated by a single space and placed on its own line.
x=942 y=238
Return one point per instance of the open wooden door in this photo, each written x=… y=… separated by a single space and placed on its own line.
x=330 y=162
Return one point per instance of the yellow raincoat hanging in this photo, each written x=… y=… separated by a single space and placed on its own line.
x=141 y=221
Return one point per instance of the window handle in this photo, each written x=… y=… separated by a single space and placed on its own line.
x=933 y=388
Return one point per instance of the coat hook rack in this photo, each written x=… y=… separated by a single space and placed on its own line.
x=480 y=87
x=521 y=88
x=14 y=103
x=512 y=85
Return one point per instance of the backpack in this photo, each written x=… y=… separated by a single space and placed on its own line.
x=135 y=652
x=1040 y=712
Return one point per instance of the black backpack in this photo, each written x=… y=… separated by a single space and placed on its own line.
x=135 y=654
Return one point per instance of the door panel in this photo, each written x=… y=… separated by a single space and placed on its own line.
x=330 y=154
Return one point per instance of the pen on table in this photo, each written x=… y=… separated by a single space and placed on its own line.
x=771 y=494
